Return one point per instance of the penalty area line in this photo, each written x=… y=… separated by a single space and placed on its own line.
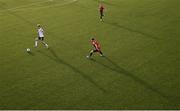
x=53 y=6
x=27 y=7
x=22 y=6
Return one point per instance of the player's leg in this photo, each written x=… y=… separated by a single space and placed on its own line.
x=36 y=41
x=101 y=15
x=101 y=54
x=91 y=53
x=44 y=43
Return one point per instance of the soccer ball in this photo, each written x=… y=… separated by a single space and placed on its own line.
x=28 y=49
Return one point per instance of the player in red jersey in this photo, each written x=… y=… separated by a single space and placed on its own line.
x=101 y=10
x=96 y=46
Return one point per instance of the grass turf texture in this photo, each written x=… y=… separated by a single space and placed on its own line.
x=140 y=39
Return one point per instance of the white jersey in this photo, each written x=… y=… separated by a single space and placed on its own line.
x=40 y=32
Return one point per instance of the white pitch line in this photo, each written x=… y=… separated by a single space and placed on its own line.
x=26 y=7
x=42 y=7
x=23 y=6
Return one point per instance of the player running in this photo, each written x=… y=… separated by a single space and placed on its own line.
x=40 y=36
x=97 y=48
x=101 y=10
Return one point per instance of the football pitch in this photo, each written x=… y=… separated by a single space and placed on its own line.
x=139 y=38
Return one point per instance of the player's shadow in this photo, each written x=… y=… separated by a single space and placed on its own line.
x=132 y=30
x=57 y=59
x=120 y=70
x=31 y=53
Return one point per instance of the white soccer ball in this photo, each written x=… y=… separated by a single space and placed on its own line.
x=28 y=49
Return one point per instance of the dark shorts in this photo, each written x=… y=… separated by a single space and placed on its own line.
x=101 y=13
x=41 y=38
x=96 y=50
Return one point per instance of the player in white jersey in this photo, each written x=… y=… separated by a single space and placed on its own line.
x=40 y=36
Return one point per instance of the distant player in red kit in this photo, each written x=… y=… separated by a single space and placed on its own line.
x=101 y=10
x=97 y=48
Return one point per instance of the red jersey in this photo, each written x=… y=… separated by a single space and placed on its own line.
x=101 y=8
x=96 y=44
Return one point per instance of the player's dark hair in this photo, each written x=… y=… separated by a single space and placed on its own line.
x=92 y=39
x=38 y=25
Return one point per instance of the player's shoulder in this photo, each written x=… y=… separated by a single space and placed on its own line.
x=41 y=29
x=95 y=42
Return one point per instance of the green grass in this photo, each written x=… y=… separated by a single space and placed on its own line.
x=140 y=39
